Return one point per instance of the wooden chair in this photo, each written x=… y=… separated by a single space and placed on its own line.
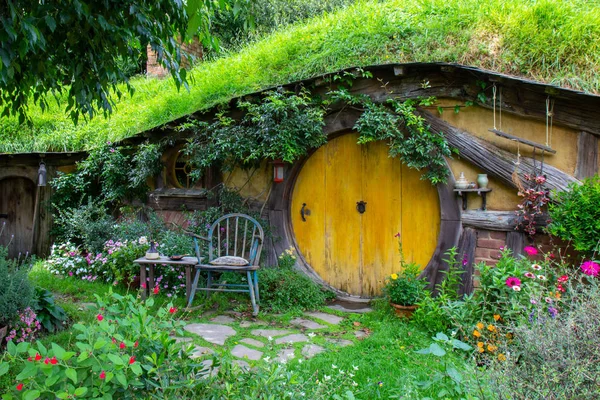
x=236 y=235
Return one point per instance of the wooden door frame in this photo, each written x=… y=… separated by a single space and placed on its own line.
x=280 y=217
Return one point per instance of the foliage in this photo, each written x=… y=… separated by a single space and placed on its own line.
x=406 y=133
x=50 y=315
x=25 y=328
x=575 y=216
x=125 y=352
x=446 y=381
x=549 y=41
x=78 y=49
x=284 y=288
x=405 y=288
x=554 y=357
x=535 y=197
x=282 y=125
x=17 y=292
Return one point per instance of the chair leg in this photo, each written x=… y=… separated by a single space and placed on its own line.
x=194 y=288
x=251 y=291
x=256 y=287
x=208 y=284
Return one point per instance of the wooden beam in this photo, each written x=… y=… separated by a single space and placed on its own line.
x=587 y=155
x=496 y=220
x=492 y=159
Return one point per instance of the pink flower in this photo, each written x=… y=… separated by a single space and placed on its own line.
x=590 y=268
x=122 y=346
x=513 y=281
x=536 y=267
x=529 y=275
x=397 y=235
x=102 y=375
x=532 y=251
x=156 y=289
x=99 y=317
x=563 y=279
x=70 y=273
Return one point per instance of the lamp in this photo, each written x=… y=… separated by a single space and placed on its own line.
x=41 y=175
x=278 y=171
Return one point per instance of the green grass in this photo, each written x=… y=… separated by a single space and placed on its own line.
x=546 y=40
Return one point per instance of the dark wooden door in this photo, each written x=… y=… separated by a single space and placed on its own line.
x=17 y=197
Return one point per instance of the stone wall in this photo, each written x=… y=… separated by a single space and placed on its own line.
x=153 y=68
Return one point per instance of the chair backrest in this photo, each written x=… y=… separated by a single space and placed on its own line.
x=237 y=235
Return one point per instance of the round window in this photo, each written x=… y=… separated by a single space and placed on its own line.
x=182 y=171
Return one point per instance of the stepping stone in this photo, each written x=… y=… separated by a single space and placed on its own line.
x=293 y=338
x=308 y=324
x=270 y=332
x=87 y=306
x=284 y=355
x=329 y=318
x=311 y=350
x=212 y=333
x=223 y=319
x=359 y=310
x=241 y=351
x=253 y=342
x=340 y=342
x=360 y=334
x=243 y=365
x=200 y=351
x=248 y=324
x=183 y=339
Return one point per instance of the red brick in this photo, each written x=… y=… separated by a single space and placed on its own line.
x=481 y=253
x=481 y=234
x=498 y=235
x=495 y=255
x=490 y=243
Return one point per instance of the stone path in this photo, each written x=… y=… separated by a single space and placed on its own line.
x=218 y=332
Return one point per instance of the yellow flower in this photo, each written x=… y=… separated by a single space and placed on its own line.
x=479 y=344
x=491 y=328
x=480 y=326
x=496 y=317
x=480 y=349
x=394 y=276
x=501 y=357
x=491 y=348
x=476 y=333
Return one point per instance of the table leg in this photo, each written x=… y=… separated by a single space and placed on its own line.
x=151 y=279
x=188 y=282
x=143 y=280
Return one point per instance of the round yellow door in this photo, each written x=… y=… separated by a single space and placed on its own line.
x=349 y=204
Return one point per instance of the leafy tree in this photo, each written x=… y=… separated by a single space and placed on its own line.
x=77 y=47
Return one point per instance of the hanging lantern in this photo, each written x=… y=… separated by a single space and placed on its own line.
x=42 y=175
x=278 y=171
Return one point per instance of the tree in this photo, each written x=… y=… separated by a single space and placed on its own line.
x=74 y=46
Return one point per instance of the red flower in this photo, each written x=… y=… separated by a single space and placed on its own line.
x=560 y=288
x=114 y=340
x=563 y=279
x=29 y=359
x=53 y=361
x=20 y=387
x=532 y=251
x=122 y=346
x=131 y=360
x=172 y=310
x=155 y=291
x=47 y=361
x=136 y=344
x=38 y=357
x=513 y=281
x=99 y=317
x=102 y=375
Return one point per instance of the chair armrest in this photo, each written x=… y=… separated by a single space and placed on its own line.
x=196 y=236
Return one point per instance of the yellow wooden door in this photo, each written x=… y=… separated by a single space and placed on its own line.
x=351 y=251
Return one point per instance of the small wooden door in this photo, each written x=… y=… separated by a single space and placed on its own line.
x=16 y=215
x=355 y=251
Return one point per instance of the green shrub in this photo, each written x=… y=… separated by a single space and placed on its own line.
x=16 y=292
x=48 y=313
x=575 y=215
x=126 y=352
x=285 y=288
x=554 y=355
x=405 y=288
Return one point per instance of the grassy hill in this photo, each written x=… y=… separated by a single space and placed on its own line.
x=552 y=41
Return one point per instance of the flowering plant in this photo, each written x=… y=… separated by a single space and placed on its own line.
x=534 y=199
x=26 y=328
x=405 y=288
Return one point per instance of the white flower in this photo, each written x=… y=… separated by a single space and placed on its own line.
x=541 y=277
x=300 y=361
x=311 y=335
x=537 y=267
x=270 y=338
x=355 y=367
x=516 y=288
x=333 y=366
x=267 y=358
x=143 y=240
x=327 y=377
x=354 y=384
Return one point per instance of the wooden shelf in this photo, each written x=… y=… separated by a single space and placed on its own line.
x=524 y=141
x=481 y=192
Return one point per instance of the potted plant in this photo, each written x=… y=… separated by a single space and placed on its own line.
x=404 y=289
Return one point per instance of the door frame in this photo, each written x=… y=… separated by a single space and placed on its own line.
x=280 y=216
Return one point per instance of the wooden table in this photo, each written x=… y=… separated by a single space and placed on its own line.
x=144 y=263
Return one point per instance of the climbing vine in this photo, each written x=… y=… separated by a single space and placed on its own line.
x=282 y=125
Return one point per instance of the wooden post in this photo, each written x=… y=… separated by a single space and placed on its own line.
x=587 y=155
x=516 y=242
x=466 y=252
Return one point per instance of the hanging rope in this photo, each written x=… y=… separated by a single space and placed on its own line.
x=494 y=103
x=549 y=117
x=515 y=175
x=500 y=108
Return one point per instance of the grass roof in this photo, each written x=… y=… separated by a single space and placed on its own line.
x=551 y=41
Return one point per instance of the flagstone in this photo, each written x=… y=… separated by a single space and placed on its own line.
x=241 y=351
x=293 y=338
x=253 y=342
x=329 y=318
x=311 y=350
x=212 y=333
x=270 y=332
x=306 y=323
